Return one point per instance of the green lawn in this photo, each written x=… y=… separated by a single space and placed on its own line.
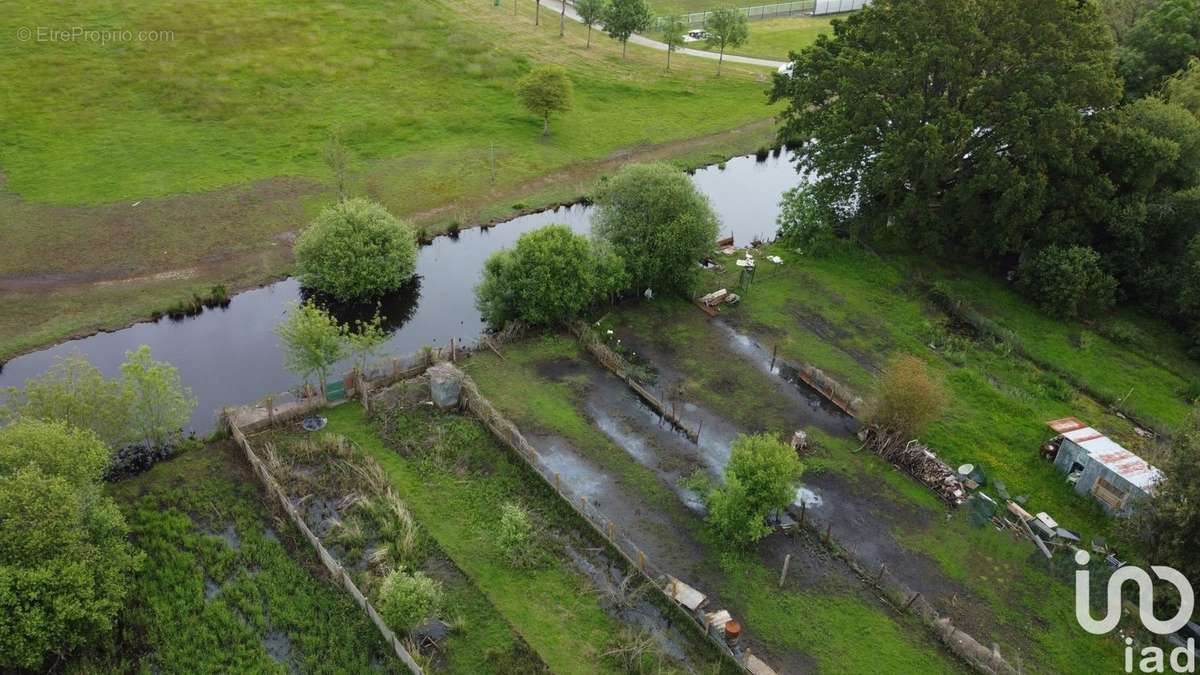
x=223 y=579
x=134 y=173
x=775 y=38
x=1121 y=357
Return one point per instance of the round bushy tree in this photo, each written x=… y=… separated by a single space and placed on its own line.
x=545 y=90
x=1068 y=281
x=355 y=250
x=658 y=223
x=760 y=477
x=549 y=277
x=64 y=557
x=406 y=600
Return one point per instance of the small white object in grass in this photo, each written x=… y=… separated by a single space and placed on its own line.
x=775 y=259
x=136 y=203
x=609 y=331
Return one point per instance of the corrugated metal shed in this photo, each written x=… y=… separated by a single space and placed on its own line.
x=1108 y=453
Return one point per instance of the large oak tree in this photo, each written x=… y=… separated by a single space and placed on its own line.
x=957 y=124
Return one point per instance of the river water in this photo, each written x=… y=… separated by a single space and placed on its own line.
x=231 y=356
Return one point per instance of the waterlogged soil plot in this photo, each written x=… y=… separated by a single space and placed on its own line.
x=574 y=602
x=227 y=584
x=992 y=585
x=347 y=500
x=611 y=449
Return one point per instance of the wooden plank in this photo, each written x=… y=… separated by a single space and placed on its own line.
x=685 y=595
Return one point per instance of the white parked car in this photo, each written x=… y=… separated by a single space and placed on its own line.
x=786 y=69
x=695 y=36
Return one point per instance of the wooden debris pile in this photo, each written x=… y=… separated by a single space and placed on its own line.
x=918 y=461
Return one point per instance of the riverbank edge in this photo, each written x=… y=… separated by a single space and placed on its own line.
x=689 y=154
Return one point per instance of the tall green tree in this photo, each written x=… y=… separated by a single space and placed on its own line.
x=1121 y=15
x=956 y=125
x=65 y=559
x=313 y=342
x=1159 y=44
x=1183 y=88
x=545 y=90
x=548 y=278
x=673 y=30
x=76 y=392
x=160 y=406
x=591 y=12
x=1150 y=151
x=354 y=250
x=727 y=27
x=623 y=18
x=658 y=223
x=760 y=478
x=1171 y=521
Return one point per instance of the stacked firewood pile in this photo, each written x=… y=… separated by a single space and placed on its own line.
x=917 y=460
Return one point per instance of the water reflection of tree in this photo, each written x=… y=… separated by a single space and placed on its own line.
x=396 y=308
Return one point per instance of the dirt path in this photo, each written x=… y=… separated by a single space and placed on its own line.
x=558 y=6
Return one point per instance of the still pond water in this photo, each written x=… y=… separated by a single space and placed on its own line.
x=231 y=356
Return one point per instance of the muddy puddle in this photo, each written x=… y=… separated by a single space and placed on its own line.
x=815 y=407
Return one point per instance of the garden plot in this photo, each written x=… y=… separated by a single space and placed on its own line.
x=575 y=603
x=226 y=585
x=346 y=499
x=984 y=580
x=576 y=414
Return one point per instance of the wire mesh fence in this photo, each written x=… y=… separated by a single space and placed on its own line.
x=758 y=12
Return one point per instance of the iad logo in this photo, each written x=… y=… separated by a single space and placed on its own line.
x=1182 y=659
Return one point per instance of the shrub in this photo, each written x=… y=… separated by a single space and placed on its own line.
x=354 y=250
x=1068 y=281
x=658 y=223
x=407 y=600
x=760 y=477
x=514 y=534
x=549 y=277
x=64 y=562
x=907 y=398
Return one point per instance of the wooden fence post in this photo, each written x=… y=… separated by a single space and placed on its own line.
x=911 y=601
x=787 y=560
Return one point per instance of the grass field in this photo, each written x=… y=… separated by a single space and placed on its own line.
x=226 y=586
x=134 y=173
x=775 y=38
